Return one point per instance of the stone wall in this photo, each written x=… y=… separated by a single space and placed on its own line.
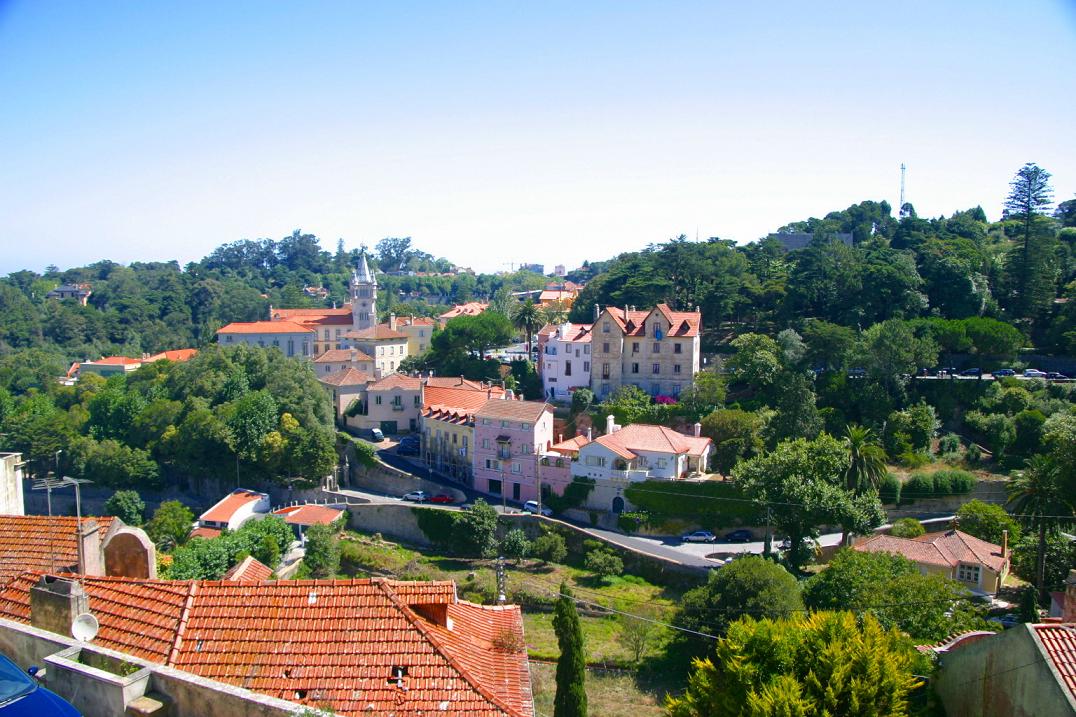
x=988 y=491
x=383 y=478
x=395 y=521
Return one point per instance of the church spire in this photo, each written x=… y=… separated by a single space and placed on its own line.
x=363 y=295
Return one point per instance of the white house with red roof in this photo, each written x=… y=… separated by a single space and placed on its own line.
x=641 y=452
x=979 y=565
x=564 y=359
x=233 y=510
x=657 y=351
x=335 y=360
x=292 y=339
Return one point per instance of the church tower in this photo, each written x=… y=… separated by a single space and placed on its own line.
x=363 y=296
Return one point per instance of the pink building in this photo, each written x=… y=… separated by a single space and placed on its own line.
x=511 y=438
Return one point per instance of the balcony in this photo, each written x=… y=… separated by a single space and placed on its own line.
x=397 y=407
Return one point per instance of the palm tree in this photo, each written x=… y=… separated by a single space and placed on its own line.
x=1036 y=494
x=527 y=318
x=555 y=313
x=866 y=463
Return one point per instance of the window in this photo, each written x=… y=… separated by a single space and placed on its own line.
x=291 y=347
x=516 y=468
x=515 y=491
x=417 y=401
x=276 y=342
x=338 y=333
x=504 y=424
x=595 y=461
x=586 y=367
x=657 y=348
x=676 y=368
x=493 y=465
x=605 y=347
x=567 y=368
x=397 y=400
x=485 y=443
x=635 y=368
x=422 y=332
x=494 y=487
x=228 y=338
x=655 y=389
x=526 y=426
x=968 y=573
x=657 y=368
x=635 y=347
x=605 y=327
x=605 y=375
x=326 y=334
x=586 y=350
x=678 y=348
x=377 y=400
x=485 y=421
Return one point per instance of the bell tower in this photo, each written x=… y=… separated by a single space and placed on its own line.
x=363 y=296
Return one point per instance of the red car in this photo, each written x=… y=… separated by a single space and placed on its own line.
x=442 y=498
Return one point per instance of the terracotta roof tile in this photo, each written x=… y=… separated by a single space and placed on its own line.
x=116 y=361
x=471 y=308
x=342 y=355
x=225 y=508
x=396 y=380
x=38 y=542
x=655 y=439
x=570 y=445
x=249 y=569
x=176 y=355
x=265 y=327
x=1059 y=644
x=201 y=532
x=309 y=514
x=465 y=399
x=326 y=642
x=513 y=410
x=346 y=377
x=381 y=332
x=959 y=547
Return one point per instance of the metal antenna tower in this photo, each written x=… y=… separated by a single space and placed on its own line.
x=47 y=484
x=901 y=212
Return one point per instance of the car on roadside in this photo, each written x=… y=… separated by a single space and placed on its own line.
x=976 y=372
x=738 y=536
x=1034 y=373
x=376 y=435
x=22 y=696
x=1006 y=621
x=857 y=373
x=1056 y=376
x=1004 y=372
x=416 y=496
x=408 y=446
x=531 y=506
x=699 y=536
x=443 y=499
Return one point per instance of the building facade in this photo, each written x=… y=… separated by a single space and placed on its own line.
x=511 y=437
x=335 y=360
x=417 y=329
x=564 y=359
x=657 y=351
x=293 y=340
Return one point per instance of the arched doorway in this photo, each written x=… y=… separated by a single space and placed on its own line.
x=618 y=505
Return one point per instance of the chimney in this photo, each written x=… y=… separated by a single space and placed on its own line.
x=90 y=559
x=590 y=433
x=1068 y=609
x=610 y=424
x=597 y=311
x=392 y=322
x=56 y=602
x=1004 y=544
x=698 y=432
x=560 y=438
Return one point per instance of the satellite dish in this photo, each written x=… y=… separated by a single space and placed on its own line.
x=84 y=627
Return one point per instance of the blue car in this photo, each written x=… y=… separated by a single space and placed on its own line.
x=21 y=696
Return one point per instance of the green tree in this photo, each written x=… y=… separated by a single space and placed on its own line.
x=476 y=531
x=866 y=460
x=126 y=505
x=705 y=395
x=986 y=521
x=527 y=317
x=797 y=415
x=907 y=528
x=828 y=663
x=170 y=525
x=1058 y=559
x=1029 y=265
x=549 y=547
x=1038 y=494
x=751 y=586
x=603 y=563
x=515 y=544
x=571 y=696
x=1029 y=607
x=322 y=556
x=639 y=631
x=757 y=360
x=737 y=435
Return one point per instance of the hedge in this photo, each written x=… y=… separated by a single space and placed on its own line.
x=889 y=490
x=937 y=485
x=699 y=503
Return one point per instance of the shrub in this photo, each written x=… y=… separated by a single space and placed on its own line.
x=631 y=521
x=126 y=505
x=919 y=486
x=550 y=547
x=574 y=495
x=604 y=563
x=907 y=528
x=913 y=460
x=515 y=544
x=322 y=556
x=664 y=499
x=986 y=521
x=974 y=454
x=949 y=443
x=953 y=482
x=889 y=490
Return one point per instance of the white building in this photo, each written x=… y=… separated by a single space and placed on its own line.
x=565 y=359
x=642 y=452
x=232 y=511
x=11 y=500
x=292 y=339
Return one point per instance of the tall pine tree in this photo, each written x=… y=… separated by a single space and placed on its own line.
x=571 y=698
x=1030 y=265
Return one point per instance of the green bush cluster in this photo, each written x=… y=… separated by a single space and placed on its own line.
x=574 y=495
x=889 y=490
x=209 y=559
x=632 y=520
x=700 y=503
x=937 y=485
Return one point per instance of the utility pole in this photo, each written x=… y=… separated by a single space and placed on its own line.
x=538 y=475
x=901 y=213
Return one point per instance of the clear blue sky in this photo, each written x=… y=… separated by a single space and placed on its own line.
x=508 y=132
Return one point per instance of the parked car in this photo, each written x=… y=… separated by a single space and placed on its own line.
x=972 y=372
x=1055 y=375
x=407 y=449
x=738 y=536
x=531 y=506
x=1034 y=373
x=857 y=372
x=21 y=696
x=1004 y=372
x=443 y=498
x=699 y=536
x=416 y=496
x=376 y=435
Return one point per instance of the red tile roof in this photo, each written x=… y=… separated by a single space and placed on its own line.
x=571 y=445
x=176 y=355
x=396 y=380
x=633 y=323
x=381 y=332
x=38 y=542
x=309 y=514
x=226 y=507
x=1059 y=644
x=637 y=437
x=948 y=549
x=207 y=533
x=265 y=327
x=414 y=321
x=509 y=410
x=326 y=642
x=471 y=308
x=576 y=332
x=249 y=569
x=315 y=317
x=465 y=398
x=346 y=377
x=342 y=355
x=117 y=361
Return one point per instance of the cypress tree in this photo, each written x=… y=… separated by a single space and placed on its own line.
x=571 y=698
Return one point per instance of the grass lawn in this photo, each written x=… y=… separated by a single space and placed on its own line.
x=609 y=693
